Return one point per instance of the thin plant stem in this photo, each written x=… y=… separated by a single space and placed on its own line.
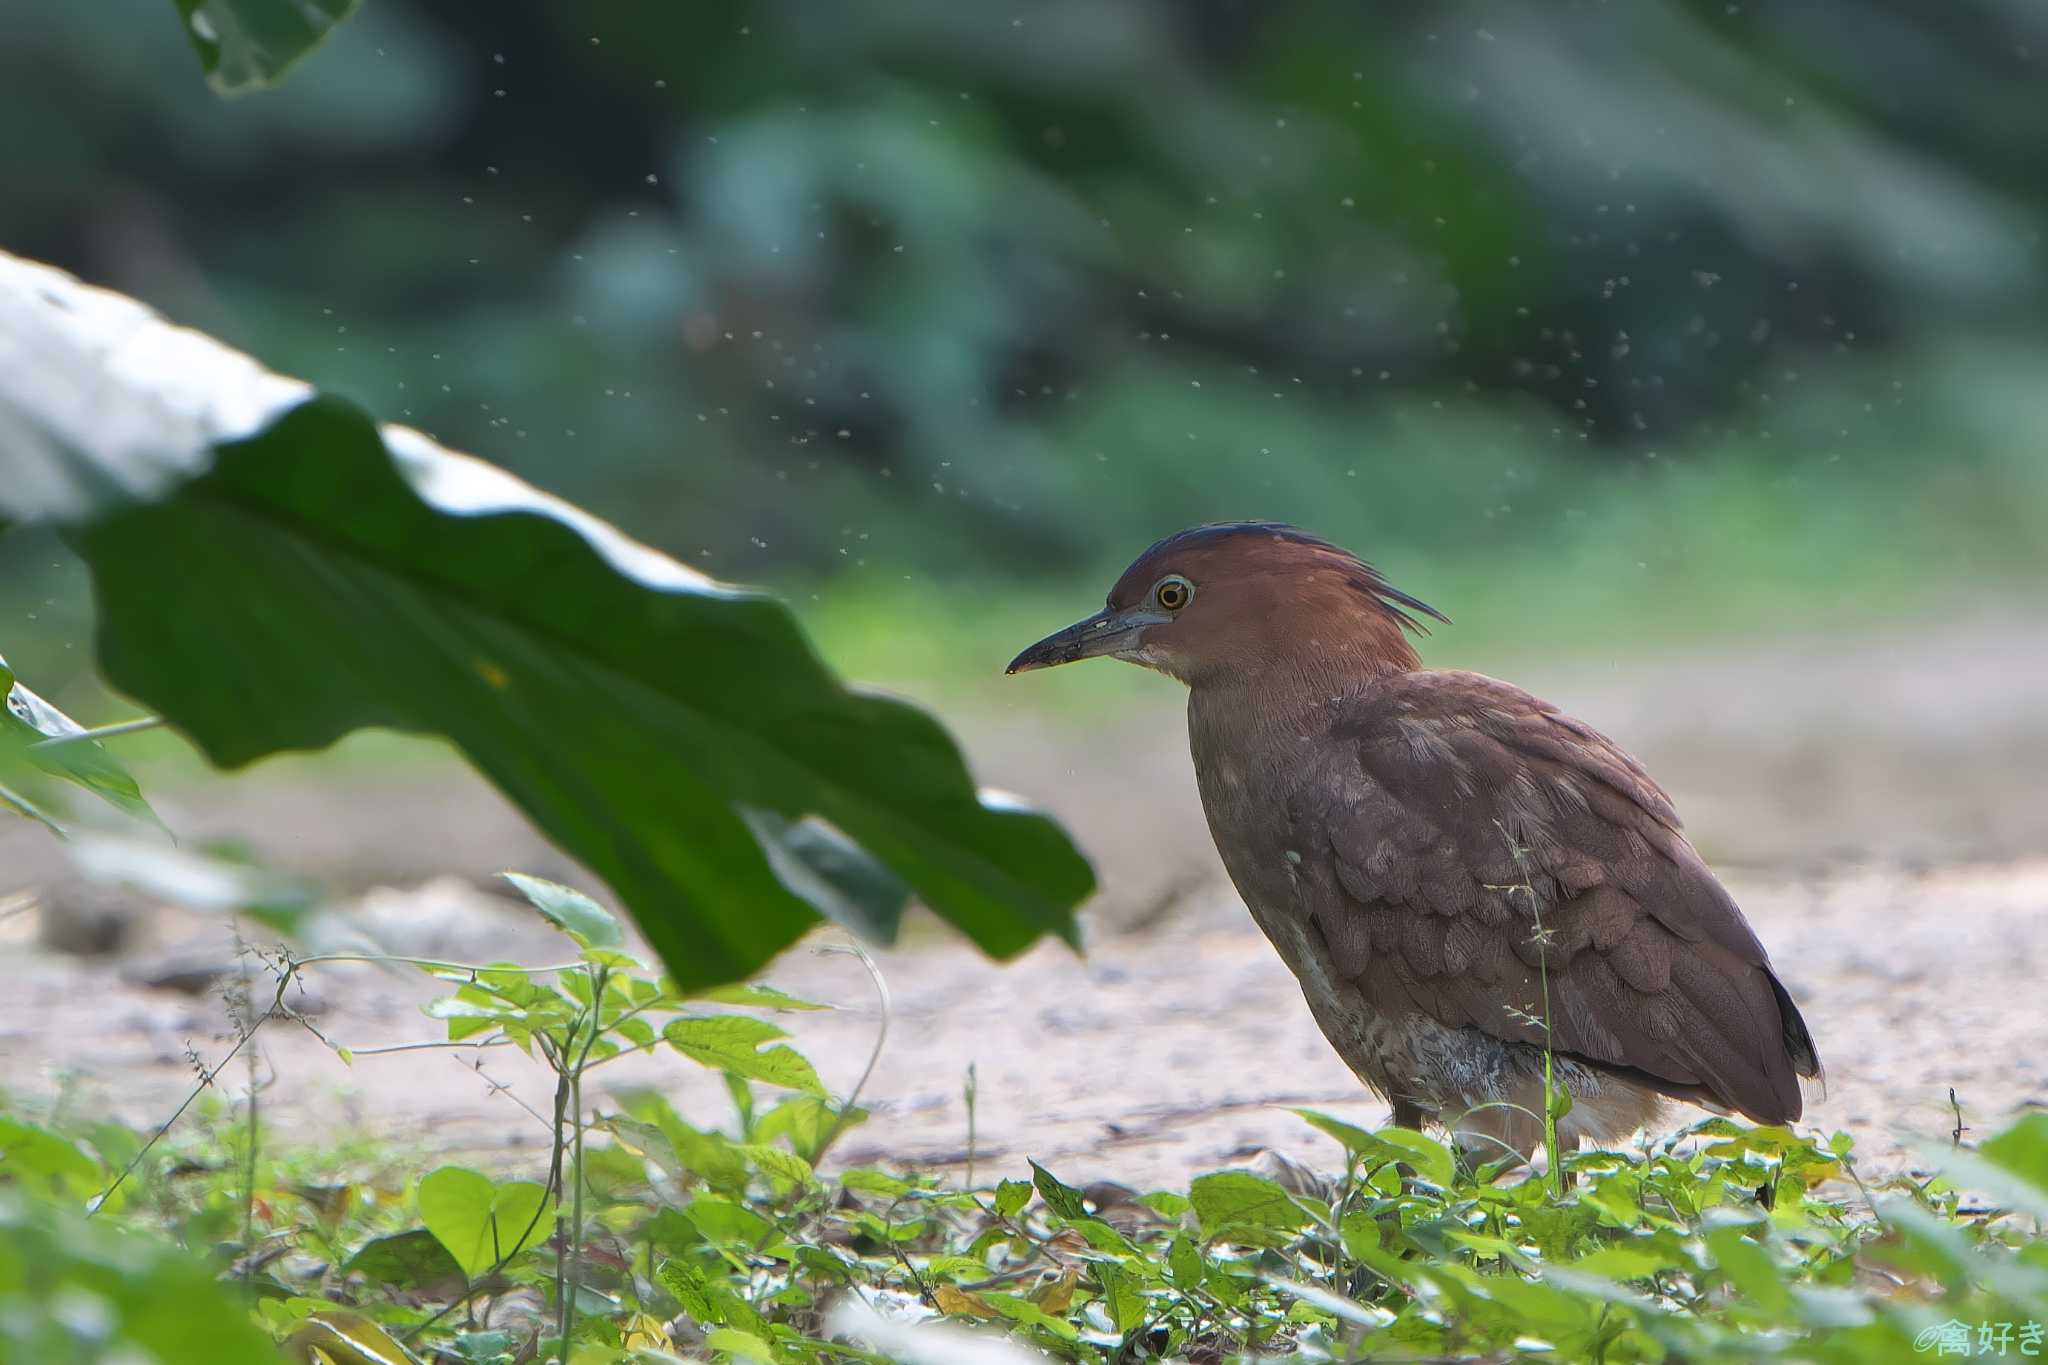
x=633 y=1013
x=1550 y=1142
x=969 y=1092
x=555 y=1184
x=126 y=727
x=206 y=1078
x=435 y=964
x=874 y=1053
x=576 y=1214
x=442 y=1044
x=285 y=976
x=1541 y=938
x=241 y=991
x=569 y=1255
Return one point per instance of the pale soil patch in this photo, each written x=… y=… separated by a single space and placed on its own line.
x=1158 y=1055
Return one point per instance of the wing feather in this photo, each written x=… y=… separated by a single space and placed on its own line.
x=1456 y=812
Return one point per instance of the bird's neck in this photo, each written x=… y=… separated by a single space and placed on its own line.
x=1278 y=692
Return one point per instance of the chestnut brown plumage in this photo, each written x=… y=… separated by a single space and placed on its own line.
x=1445 y=861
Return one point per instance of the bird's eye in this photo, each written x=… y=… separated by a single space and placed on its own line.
x=1174 y=593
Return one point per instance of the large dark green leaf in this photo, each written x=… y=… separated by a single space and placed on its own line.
x=247 y=45
x=322 y=575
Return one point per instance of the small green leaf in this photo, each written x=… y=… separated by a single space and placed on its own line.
x=248 y=45
x=493 y=1347
x=1241 y=1207
x=2022 y=1149
x=724 y=1223
x=1184 y=1267
x=27 y=720
x=826 y=1263
x=767 y=997
x=889 y=1229
x=807 y=1123
x=1335 y=1305
x=721 y=1034
x=1749 y=1268
x=1619 y=1262
x=614 y=1171
x=415 y=1259
x=868 y=1180
x=681 y=1151
x=1103 y=1237
x=1123 y=1296
x=1486 y=1247
x=777 y=1164
x=955 y=1268
x=1012 y=1196
x=740 y=1345
x=1357 y=1141
x=1168 y=1204
x=1360 y=1234
x=682 y=1279
x=569 y=910
x=471 y=1002
x=44 y=1161
x=347 y=1338
x=1062 y=1199
x=484 y=1224
x=729 y=1042
x=639 y=1032
x=1430 y=1158
x=1022 y=1310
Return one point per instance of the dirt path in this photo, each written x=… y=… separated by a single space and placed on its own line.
x=1158 y=1055
x=1877 y=803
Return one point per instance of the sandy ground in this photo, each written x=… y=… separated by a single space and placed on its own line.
x=1876 y=802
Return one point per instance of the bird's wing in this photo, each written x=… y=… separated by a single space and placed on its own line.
x=1454 y=812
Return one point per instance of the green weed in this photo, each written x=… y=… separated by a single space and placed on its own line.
x=649 y=1239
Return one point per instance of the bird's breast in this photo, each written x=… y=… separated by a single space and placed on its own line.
x=1250 y=779
x=1246 y=781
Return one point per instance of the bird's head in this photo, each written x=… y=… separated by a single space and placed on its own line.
x=1230 y=601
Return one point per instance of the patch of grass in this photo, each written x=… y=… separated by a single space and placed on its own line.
x=645 y=1239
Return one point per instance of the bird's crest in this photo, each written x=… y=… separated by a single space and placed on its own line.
x=1245 y=535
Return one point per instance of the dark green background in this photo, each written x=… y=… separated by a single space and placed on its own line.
x=867 y=299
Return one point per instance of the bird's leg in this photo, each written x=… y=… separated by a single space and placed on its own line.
x=1407 y=1114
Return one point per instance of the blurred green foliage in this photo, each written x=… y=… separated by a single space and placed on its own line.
x=798 y=290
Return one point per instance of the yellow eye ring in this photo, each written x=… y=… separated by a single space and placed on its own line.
x=1173 y=593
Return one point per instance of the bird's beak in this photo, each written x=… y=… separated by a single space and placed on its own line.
x=1106 y=632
